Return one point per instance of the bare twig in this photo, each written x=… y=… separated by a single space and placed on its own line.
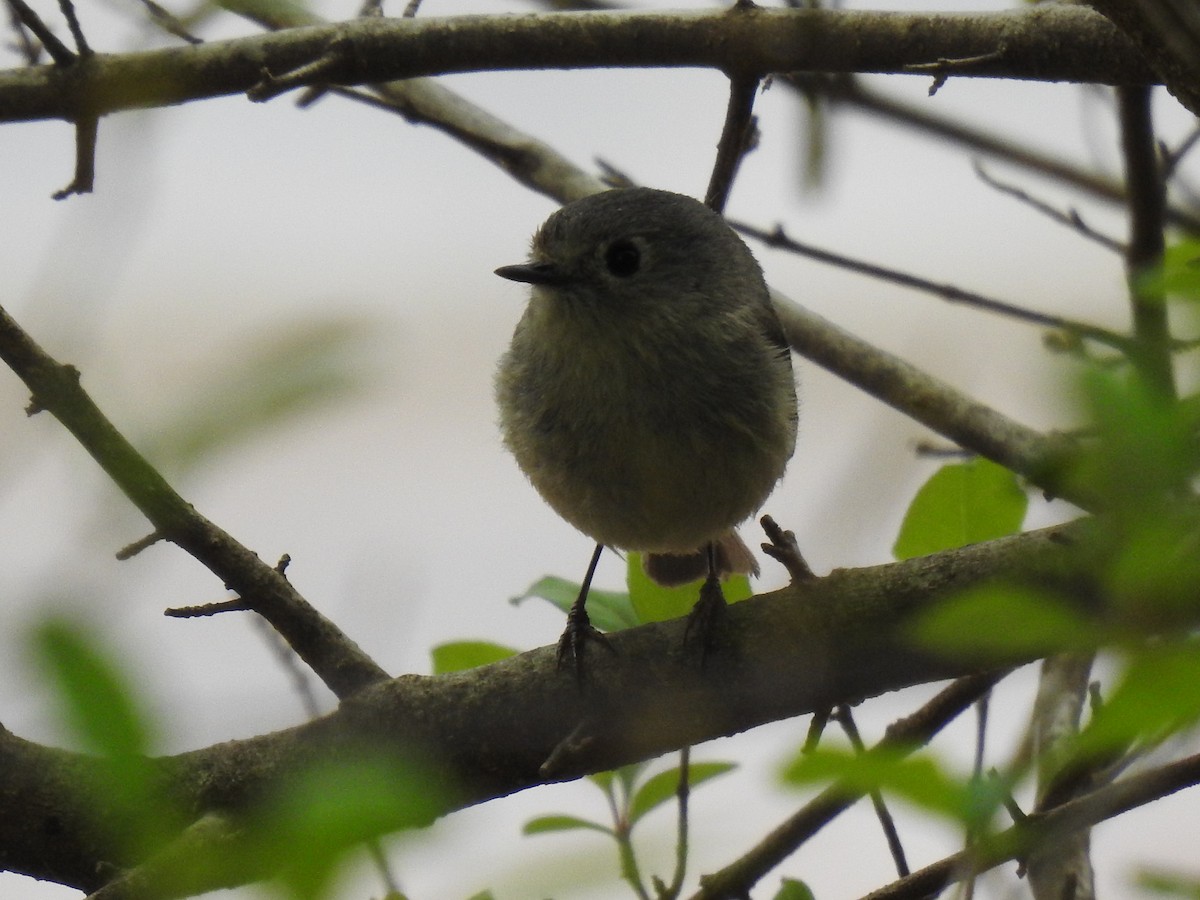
x=233 y=604
x=129 y=551
x=942 y=69
x=784 y=549
x=169 y=22
x=778 y=238
x=1070 y=218
x=930 y=401
x=852 y=91
x=1146 y=204
x=59 y=52
x=682 y=794
x=845 y=718
x=68 y=11
x=56 y=388
x=86 y=129
x=904 y=735
x=737 y=137
x=1062 y=689
x=1040 y=828
x=30 y=49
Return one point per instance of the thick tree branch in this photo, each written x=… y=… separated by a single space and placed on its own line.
x=930 y=401
x=812 y=645
x=1168 y=33
x=1051 y=43
x=56 y=389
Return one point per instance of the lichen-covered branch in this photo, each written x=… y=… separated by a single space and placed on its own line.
x=1048 y=43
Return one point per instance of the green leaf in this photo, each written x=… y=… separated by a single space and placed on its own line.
x=1151 y=571
x=1158 y=695
x=654 y=603
x=97 y=701
x=1170 y=884
x=791 y=889
x=1145 y=448
x=1179 y=274
x=1005 y=623
x=275 y=376
x=100 y=707
x=919 y=779
x=457 y=656
x=608 y=610
x=664 y=786
x=322 y=813
x=962 y=503
x=547 y=824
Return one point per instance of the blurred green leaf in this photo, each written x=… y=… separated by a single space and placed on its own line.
x=919 y=779
x=271 y=378
x=99 y=705
x=330 y=809
x=626 y=777
x=457 y=656
x=962 y=503
x=1003 y=623
x=97 y=700
x=791 y=889
x=547 y=824
x=1151 y=570
x=1179 y=275
x=1145 y=449
x=1158 y=695
x=664 y=786
x=652 y=602
x=1170 y=884
x=608 y=610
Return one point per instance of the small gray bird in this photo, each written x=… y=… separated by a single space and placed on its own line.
x=648 y=391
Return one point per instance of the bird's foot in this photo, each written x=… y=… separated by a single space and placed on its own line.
x=706 y=618
x=575 y=637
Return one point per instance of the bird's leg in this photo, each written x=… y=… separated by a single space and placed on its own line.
x=579 y=628
x=709 y=612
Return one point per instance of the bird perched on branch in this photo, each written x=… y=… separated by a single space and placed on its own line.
x=648 y=391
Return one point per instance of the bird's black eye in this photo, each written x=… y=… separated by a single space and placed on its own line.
x=623 y=258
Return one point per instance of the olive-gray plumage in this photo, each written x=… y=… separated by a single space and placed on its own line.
x=648 y=392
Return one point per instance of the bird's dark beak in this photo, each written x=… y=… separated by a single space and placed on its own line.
x=534 y=273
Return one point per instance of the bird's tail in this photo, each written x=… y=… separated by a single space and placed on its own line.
x=673 y=569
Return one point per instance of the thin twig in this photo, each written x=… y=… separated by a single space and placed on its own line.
x=981 y=722
x=337 y=660
x=81 y=44
x=1146 y=243
x=1084 y=812
x=737 y=136
x=682 y=794
x=1070 y=218
x=59 y=52
x=203 y=610
x=30 y=49
x=1171 y=159
x=86 y=132
x=851 y=90
x=904 y=735
x=169 y=22
x=778 y=238
x=129 y=551
x=845 y=718
x=932 y=402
